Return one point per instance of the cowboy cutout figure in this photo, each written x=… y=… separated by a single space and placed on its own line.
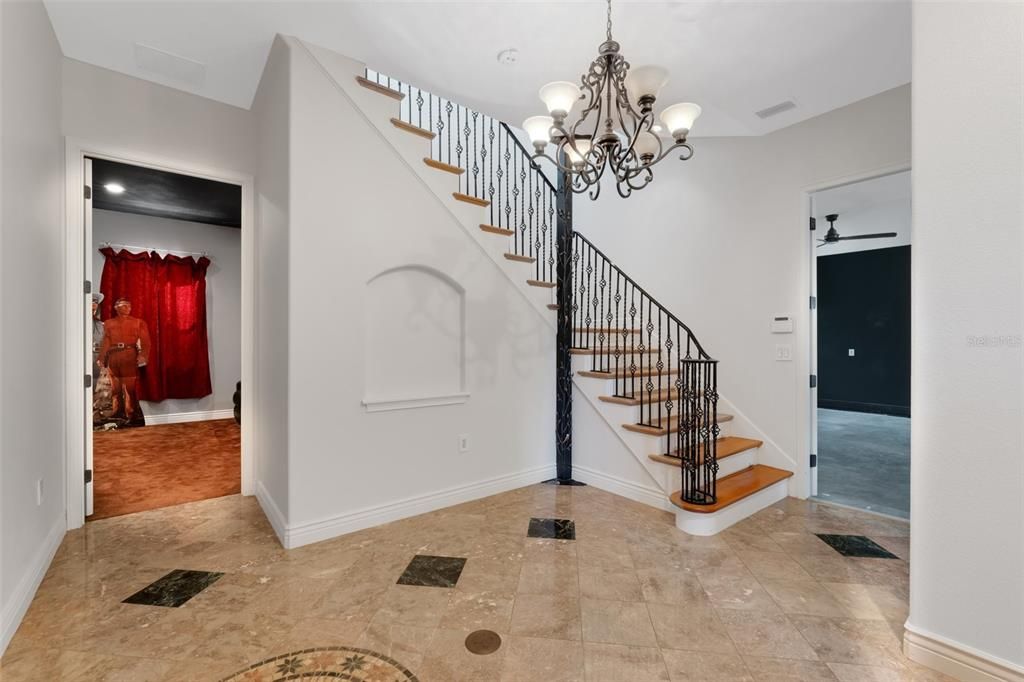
x=124 y=349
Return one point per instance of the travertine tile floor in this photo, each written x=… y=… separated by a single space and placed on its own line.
x=630 y=599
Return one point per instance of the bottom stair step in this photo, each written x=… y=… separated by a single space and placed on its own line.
x=726 y=446
x=735 y=487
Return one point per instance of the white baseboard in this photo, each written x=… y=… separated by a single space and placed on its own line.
x=14 y=610
x=182 y=417
x=956 y=659
x=272 y=512
x=649 y=495
x=315 y=531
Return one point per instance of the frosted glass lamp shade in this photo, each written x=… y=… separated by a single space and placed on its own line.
x=679 y=118
x=539 y=129
x=645 y=81
x=577 y=159
x=646 y=145
x=559 y=97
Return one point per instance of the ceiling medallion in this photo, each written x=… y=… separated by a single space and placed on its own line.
x=615 y=129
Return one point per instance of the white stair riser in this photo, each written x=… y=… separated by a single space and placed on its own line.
x=710 y=524
x=671 y=474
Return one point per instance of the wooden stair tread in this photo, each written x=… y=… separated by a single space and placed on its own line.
x=552 y=306
x=605 y=330
x=442 y=166
x=459 y=196
x=645 y=372
x=380 y=89
x=726 y=446
x=735 y=487
x=497 y=230
x=540 y=283
x=664 y=425
x=606 y=350
x=410 y=128
x=520 y=259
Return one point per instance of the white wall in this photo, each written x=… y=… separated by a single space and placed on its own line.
x=967 y=482
x=223 y=293
x=722 y=241
x=356 y=210
x=31 y=260
x=146 y=118
x=271 y=109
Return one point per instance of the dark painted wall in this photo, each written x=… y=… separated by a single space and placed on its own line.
x=864 y=304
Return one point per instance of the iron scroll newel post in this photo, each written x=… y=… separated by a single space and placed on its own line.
x=563 y=341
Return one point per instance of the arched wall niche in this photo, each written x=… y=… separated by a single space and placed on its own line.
x=415 y=334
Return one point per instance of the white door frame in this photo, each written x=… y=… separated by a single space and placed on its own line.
x=806 y=396
x=76 y=407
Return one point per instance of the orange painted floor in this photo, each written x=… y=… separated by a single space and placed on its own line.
x=158 y=466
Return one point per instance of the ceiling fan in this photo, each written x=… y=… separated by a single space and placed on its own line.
x=832 y=236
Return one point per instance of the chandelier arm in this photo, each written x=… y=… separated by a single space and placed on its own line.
x=685 y=156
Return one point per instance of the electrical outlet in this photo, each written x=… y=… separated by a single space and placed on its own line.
x=783 y=352
x=463 y=442
x=39 y=492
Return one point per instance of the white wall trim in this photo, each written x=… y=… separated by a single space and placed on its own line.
x=183 y=417
x=958 y=660
x=76 y=410
x=25 y=590
x=644 y=494
x=388 y=404
x=315 y=531
x=271 y=511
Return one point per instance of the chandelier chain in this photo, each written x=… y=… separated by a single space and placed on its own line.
x=609 y=20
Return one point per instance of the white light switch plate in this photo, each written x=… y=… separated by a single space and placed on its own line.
x=783 y=352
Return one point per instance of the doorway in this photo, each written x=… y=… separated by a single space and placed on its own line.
x=861 y=344
x=165 y=251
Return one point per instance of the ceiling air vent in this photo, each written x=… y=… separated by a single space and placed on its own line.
x=776 y=109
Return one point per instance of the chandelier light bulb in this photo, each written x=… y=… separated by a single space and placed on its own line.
x=645 y=82
x=646 y=146
x=577 y=159
x=539 y=130
x=559 y=97
x=679 y=118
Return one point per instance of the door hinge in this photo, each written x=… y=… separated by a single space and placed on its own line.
x=814 y=381
x=88 y=192
x=814 y=302
x=87 y=287
x=814 y=224
x=88 y=475
x=814 y=460
x=88 y=381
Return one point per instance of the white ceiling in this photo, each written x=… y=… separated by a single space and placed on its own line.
x=876 y=205
x=733 y=58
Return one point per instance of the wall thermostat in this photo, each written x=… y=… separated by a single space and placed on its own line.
x=782 y=324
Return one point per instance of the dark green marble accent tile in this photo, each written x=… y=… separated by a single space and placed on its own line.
x=857 y=546
x=174 y=589
x=557 y=529
x=432 y=571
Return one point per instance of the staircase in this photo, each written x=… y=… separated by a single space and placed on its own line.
x=639 y=366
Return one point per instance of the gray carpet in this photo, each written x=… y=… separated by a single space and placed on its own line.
x=864 y=461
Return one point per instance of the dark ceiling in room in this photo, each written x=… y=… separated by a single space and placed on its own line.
x=166 y=195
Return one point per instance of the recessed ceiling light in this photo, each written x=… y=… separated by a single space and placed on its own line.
x=114 y=188
x=509 y=56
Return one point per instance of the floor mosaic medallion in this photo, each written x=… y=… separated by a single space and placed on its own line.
x=330 y=663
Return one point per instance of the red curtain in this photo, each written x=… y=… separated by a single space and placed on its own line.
x=169 y=294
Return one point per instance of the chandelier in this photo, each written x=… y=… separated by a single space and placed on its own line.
x=615 y=131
